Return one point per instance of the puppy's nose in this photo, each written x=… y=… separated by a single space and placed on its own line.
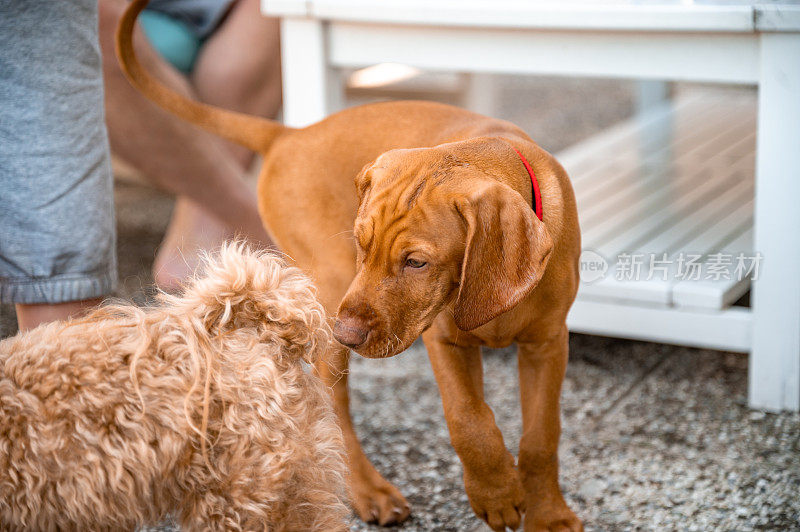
x=350 y=332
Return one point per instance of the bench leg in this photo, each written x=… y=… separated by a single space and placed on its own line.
x=481 y=94
x=775 y=359
x=306 y=76
x=650 y=94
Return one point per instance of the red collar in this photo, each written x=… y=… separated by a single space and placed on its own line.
x=537 y=196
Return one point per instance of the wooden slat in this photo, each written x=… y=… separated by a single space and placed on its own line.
x=665 y=168
x=690 y=119
x=711 y=294
x=725 y=224
x=692 y=231
x=624 y=224
x=626 y=155
x=578 y=160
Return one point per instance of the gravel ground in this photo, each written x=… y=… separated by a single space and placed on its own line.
x=655 y=437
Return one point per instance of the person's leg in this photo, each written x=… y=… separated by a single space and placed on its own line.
x=239 y=67
x=57 y=252
x=177 y=157
x=33 y=315
x=191 y=230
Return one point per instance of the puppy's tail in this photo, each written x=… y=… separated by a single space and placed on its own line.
x=251 y=132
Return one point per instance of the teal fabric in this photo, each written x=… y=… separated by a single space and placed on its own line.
x=172 y=38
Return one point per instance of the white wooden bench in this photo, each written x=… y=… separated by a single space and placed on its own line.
x=692 y=190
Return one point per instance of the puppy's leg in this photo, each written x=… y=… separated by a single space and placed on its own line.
x=375 y=500
x=490 y=478
x=541 y=371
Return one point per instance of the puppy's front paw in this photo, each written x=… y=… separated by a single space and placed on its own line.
x=376 y=501
x=552 y=516
x=497 y=498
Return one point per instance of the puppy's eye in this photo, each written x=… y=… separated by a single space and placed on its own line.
x=414 y=263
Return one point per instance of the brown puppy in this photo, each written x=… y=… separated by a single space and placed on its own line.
x=447 y=245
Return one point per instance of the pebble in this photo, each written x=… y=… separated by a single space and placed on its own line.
x=592 y=489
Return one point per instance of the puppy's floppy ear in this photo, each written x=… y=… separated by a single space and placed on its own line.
x=506 y=254
x=363 y=181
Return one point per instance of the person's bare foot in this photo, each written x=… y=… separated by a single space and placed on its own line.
x=191 y=231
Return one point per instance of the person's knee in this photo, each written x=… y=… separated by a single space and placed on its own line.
x=241 y=86
x=239 y=68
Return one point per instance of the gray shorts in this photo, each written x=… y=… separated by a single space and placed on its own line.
x=57 y=239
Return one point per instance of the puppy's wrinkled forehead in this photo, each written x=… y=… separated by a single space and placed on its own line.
x=398 y=178
x=394 y=184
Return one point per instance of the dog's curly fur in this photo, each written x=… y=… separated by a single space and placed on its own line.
x=199 y=407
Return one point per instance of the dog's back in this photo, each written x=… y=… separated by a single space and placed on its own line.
x=71 y=432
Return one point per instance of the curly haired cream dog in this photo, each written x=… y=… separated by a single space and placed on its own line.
x=199 y=407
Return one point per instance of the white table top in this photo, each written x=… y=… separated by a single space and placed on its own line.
x=739 y=16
